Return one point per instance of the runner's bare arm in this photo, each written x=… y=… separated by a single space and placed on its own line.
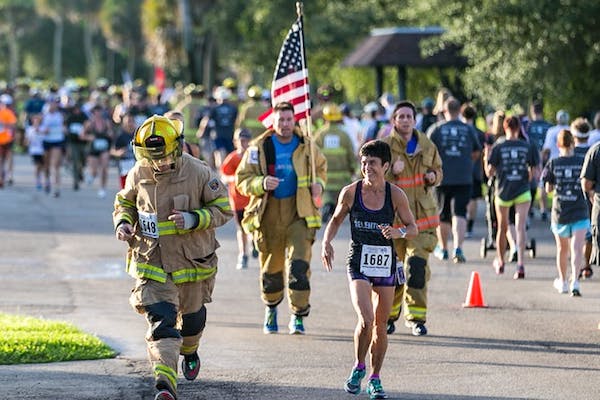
x=402 y=210
x=341 y=210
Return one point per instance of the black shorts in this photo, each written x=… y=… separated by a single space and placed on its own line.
x=476 y=192
x=453 y=200
x=51 y=145
x=38 y=159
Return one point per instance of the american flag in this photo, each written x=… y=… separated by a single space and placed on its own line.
x=290 y=81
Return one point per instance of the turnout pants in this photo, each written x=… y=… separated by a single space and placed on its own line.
x=415 y=255
x=285 y=243
x=176 y=317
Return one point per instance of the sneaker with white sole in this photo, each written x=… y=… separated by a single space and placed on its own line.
x=352 y=384
x=270 y=325
x=561 y=286
x=575 y=292
x=375 y=390
x=440 y=253
x=296 y=325
x=417 y=328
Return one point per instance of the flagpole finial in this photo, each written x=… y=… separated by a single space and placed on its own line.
x=299 y=7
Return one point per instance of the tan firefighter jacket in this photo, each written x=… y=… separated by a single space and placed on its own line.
x=146 y=202
x=336 y=146
x=420 y=195
x=254 y=167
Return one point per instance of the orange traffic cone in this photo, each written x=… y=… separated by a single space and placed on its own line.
x=474 y=294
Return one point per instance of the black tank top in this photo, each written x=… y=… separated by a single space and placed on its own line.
x=364 y=227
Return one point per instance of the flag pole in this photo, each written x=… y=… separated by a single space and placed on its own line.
x=308 y=129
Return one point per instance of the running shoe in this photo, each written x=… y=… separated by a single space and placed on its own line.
x=296 y=325
x=498 y=266
x=164 y=395
x=101 y=194
x=458 y=256
x=561 y=286
x=468 y=234
x=190 y=365
x=418 y=328
x=440 y=253
x=514 y=256
x=375 y=390
x=519 y=273
x=270 y=325
x=352 y=384
x=575 y=292
x=391 y=327
x=242 y=262
x=586 y=272
x=544 y=216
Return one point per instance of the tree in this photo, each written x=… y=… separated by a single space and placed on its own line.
x=520 y=50
x=120 y=24
x=87 y=13
x=14 y=17
x=55 y=10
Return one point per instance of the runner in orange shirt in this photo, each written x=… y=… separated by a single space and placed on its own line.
x=8 y=120
x=241 y=139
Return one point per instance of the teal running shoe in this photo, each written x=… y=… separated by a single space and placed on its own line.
x=440 y=254
x=352 y=385
x=296 y=325
x=270 y=325
x=375 y=390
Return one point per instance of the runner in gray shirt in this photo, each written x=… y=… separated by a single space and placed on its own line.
x=458 y=146
x=570 y=214
x=513 y=162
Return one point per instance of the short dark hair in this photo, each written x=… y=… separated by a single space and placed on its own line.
x=405 y=103
x=283 y=106
x=468 y=111
x=376 y=148
x=538 y=107
x=513 y=123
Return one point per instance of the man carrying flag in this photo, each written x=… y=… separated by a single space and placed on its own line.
x=275 y=173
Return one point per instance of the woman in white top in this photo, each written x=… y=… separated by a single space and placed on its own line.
x=53 y=127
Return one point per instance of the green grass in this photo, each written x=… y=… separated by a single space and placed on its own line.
x=25 y=340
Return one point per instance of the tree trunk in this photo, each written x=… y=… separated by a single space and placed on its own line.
x=13 y=57
x=209 y=60
x=188 y=39
x=90 y=59
x=131 y=58
x=57 y=49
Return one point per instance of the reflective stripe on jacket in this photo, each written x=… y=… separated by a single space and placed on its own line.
x=420 y=196
x=187 y=254
x=253 y=169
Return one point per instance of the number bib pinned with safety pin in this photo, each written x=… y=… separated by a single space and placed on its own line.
x=148 y=224
x=376 y=261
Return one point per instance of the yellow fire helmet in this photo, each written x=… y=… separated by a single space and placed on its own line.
x=255 y=92
x=156 y=139
x=331 y=112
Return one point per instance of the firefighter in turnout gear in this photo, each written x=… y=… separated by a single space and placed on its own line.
x=250 y=111
x=275 y=173
x=167 y=213
x=337 y=148
x=416 y=168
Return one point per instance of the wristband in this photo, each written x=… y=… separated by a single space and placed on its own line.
x=190 y=221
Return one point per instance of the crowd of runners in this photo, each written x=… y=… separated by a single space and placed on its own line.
x=410 y=178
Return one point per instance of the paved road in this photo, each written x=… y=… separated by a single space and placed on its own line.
x=59 y=260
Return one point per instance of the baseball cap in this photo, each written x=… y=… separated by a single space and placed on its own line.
x=562 y=117
x=6 y=99
x=242 y=133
